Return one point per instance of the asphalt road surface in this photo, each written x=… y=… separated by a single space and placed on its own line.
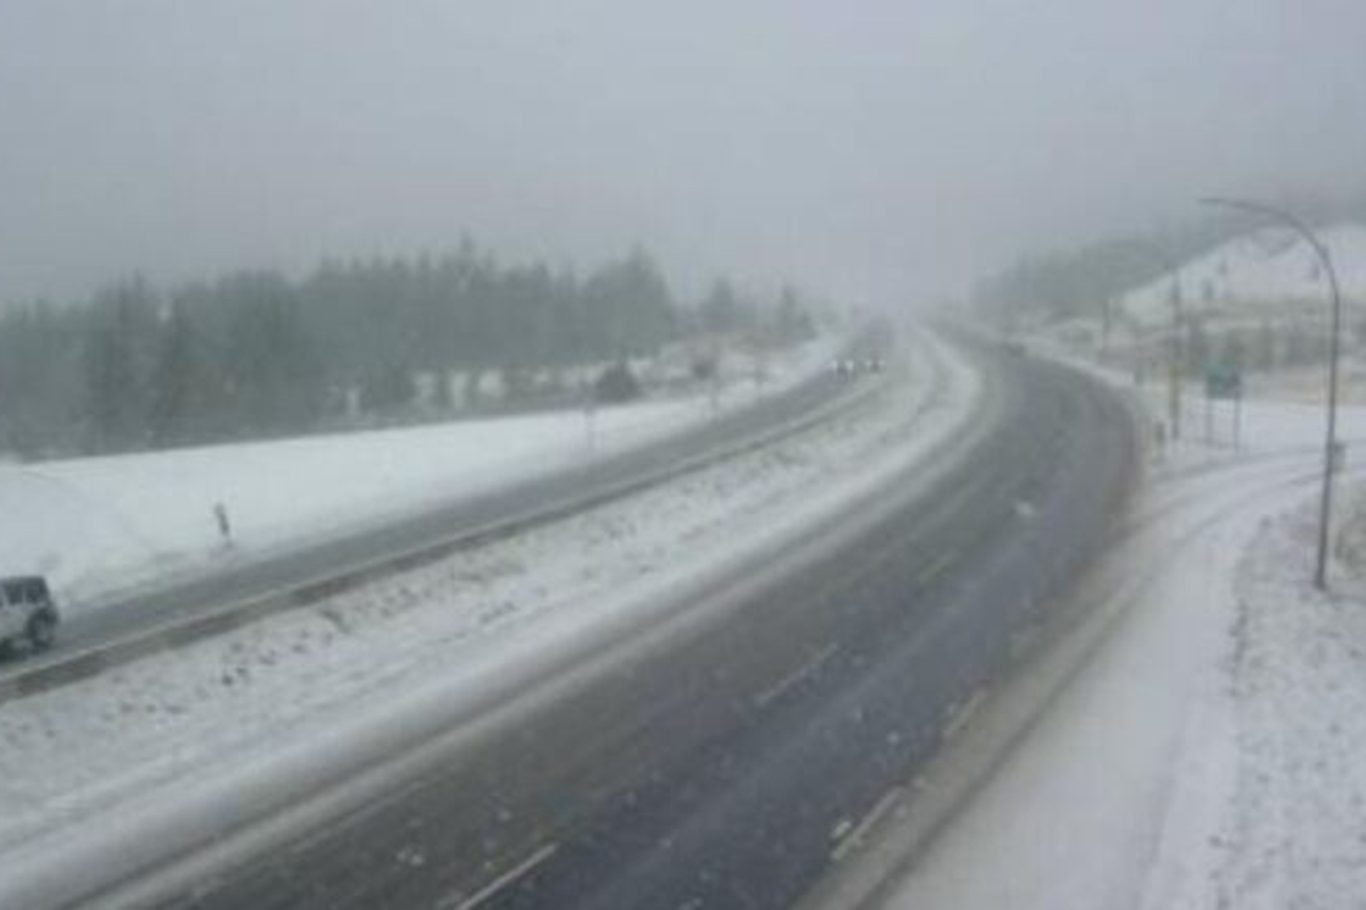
x=152 y=606
x=720 y=763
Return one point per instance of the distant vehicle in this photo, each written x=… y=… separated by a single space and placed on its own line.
x=27 y=614
x=857 y=366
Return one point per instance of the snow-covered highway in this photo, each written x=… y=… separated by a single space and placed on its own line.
x=711 y=734
x=224 y=716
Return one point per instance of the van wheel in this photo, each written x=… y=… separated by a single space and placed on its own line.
x=42 y=632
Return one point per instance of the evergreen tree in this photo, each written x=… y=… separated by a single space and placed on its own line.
x=177 y=381
x=388 y=389
x=721 y=310
x=41 y=352
x=794 y=322
x=274 y=377
x=115 y=374
x=256 y=353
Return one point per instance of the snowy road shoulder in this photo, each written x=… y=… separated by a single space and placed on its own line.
x=1197 y=751
x=1291 y=831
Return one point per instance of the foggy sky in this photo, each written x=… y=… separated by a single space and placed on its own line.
x=877 y=151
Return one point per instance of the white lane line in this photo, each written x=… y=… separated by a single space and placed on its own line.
x=787 y=682
x=936 y=568
x=460 y=902
x=879 y=811
x=961 y=716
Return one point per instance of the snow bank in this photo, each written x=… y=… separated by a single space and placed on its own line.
x=1206 y=751
x=1293 y=833
x=98 y=523
x=1072 y=817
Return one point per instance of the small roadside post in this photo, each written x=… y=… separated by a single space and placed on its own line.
x=1209 y=415
x=590 y=413
x=1106 y=319
x=1238 y=417
x=223 y=523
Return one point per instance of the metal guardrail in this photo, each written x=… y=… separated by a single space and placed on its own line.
x=65 y=669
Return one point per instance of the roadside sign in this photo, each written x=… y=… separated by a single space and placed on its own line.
x=1223 y=381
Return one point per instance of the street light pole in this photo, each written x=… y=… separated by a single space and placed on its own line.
x=1174 y=377
x=1330 y=441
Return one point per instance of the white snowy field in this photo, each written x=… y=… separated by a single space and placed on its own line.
x=1202 y=746
x=96 y=524
x=1305 y=384
x=170 y=725
x=1269 y=267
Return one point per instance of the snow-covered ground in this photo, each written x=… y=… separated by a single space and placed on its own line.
x=99 y=523
x=1288 y=828
x=1244 y=275
x=1264 y=290
x=174 y=722
x=1197 y=742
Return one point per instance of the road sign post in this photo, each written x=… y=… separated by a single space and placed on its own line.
x=1238 y=420
x=1224 y=382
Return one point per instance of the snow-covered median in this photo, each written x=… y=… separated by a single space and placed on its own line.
x=175 y=719
x=96 y=524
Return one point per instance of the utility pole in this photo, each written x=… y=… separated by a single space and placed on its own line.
x=1272 y=213
x=590 y=413
x=1174 y=372
x=1238 y=418
x=1105 y=317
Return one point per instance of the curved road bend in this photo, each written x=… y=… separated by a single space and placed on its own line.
x=722 y=765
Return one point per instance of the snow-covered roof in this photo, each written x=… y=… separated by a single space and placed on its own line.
x=1271 y=266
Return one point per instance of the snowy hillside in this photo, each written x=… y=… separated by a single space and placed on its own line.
x=1251 y=273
